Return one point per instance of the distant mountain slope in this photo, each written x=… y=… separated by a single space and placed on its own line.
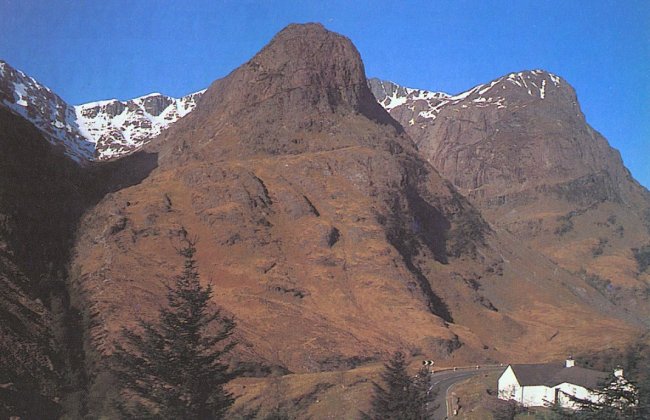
x=46 y=110
x=94 y=131
x=120 y=127
x=520 y=149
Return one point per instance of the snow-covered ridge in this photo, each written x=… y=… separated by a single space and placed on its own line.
x=94 y=131
x=119 y=127
x=393 y=95
x=47 y=111
x=426 y=105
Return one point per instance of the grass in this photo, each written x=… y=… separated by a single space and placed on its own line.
x=476 y=396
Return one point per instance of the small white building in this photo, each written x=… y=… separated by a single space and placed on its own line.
x=545 y=384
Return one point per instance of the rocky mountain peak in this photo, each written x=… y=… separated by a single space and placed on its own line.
x=324 y=65
x=514 y=89
x=304 y=68
x=521 y=88
x=535 y=110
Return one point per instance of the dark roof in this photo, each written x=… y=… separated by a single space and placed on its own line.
x=552 y=374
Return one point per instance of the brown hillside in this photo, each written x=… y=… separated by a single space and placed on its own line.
x=324 y=232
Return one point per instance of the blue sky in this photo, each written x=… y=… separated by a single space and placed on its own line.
x=91 y=50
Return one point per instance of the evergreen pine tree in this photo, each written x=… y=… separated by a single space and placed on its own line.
x=400 y=397
x=617 y=399
x=173 y=369
x=424 y=394
x=644 y=397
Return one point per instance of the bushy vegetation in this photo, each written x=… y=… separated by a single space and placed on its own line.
x=507 y=410
x=599 y=248
x=617 y=401
x=604 y=286
x=642 y=256
x=566 y=225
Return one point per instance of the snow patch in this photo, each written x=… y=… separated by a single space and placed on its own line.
x=555 y=79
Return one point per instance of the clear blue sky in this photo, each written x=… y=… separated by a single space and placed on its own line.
x=91 y=50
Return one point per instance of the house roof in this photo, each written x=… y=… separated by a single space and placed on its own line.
x=552 y=374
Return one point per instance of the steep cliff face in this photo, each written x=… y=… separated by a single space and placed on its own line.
x=520 y=149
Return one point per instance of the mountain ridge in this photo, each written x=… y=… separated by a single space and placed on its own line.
x=95 y=131
x=535 y=167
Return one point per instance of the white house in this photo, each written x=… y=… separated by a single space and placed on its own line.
x=545 y=384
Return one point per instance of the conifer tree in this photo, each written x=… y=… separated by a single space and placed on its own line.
x=423 y=394
x=174 y=369
x=618 y=398
x=401 y=397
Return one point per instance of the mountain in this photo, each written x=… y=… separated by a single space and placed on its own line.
x=56 y=120
x=94 y=131
x=520 y=149
x=43 y=194
x=324 y=233
x=322 y=223
x=121 y=127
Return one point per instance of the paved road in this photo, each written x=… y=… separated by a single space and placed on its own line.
x=442 y=381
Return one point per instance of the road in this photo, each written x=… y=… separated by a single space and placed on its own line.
x=442 y=381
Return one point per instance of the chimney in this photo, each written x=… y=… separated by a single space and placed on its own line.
x=570 y=362
x=618 y=372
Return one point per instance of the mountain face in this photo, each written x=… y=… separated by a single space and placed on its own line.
x=94 y=131
x=43 y=194
x=323 y=231
x=520 y=149
x=290 y=173
x=38 y=204
x=322 y=222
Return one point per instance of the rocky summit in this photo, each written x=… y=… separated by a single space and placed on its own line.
x=337 y=219
x=521 y=150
